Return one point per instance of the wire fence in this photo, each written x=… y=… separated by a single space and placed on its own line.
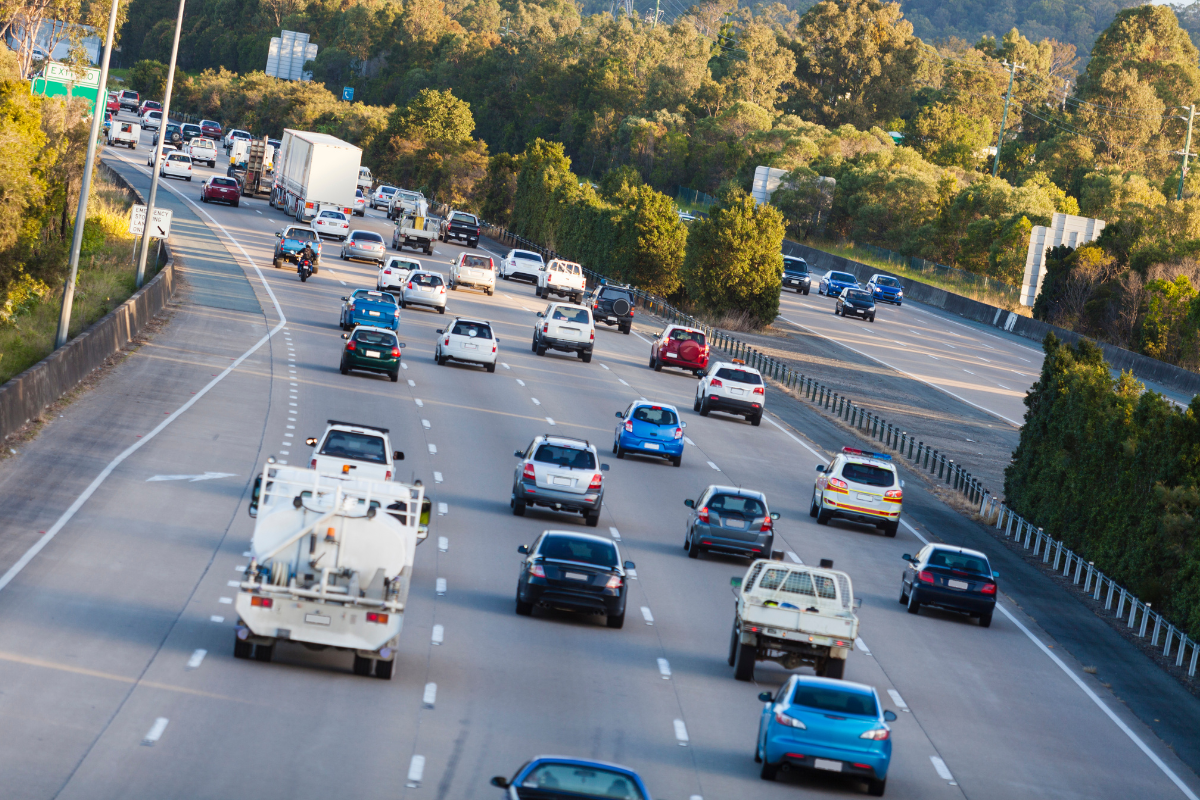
x=693 y=199
x=944 y=471
x=968 y=281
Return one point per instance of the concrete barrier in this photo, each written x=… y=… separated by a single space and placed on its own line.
x=1143 y=367
x=23 y=397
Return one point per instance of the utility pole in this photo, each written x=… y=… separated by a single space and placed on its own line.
x=656 y=13
x=1012 y=72
x=1187 y=146
x=89 y=162
x=158 y=149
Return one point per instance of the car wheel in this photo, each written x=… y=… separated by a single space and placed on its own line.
x=586 y=356
x=806 y=291
x=518 y=506
x=620 y=451
x=704 y=409
x=823 y=516
x=914 y=605
x=985 y=619
x=890 y=528
x=903 y=594
x=242 y=649
x=677 y=460
x=237 y=203
x=533 y=347
x=756 y=420
x=541 y=349
x=491 y=367
x=537 y=292
x=203 y=199
x=616 y=620
x=625 y=329
x=743 y=665
x=652 y=361
x=453 y=286
x=593 y=519
x=345 y=370
x=524 y=609
x=395 y=376
x=872 y=318
x=876 y=788
x=812 y=506
x=658 y=364
x=693 y=549
x=442 y=310
x=362 y=666
x=696 y=404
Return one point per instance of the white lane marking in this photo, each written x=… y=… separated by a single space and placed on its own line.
x=681 y=735
x=643 y=338
x=430 y=696
x=1026 y=360
x=432 y=449
x=947 y=344
x=861 y=645
x=437 y=477
x=291 y=427
x=411 y=382
x=1158 y=762
x=439 y=634
x=284 y=452
x=343 y=283
x=282 y=461
x=197 y=657
x=968 y=372
x=714 y=466
x=418 y=402
x=293 y=405
x=1002 y=386
x=233 y=584
x=689 y=441
x=664 y=668
x=622 y=380
x=226 y=601
x=795 y=558
x=604 y=366
x=246 y=554
x=156 y=731
x=646 y=615
x=416 y=769
x=239 y=568
x=898 y=700
x=988 y=346
x=931 y=355
x=403 y=365
x=256 y=211
x=520 y=382
x=441 y=585
x=506 y=366
x=791 y=436
x=616 y=534
x=425 y=423
x=443 y=509
x=904 y=522
x=942 y=770
x=981 y=358
x=208 y=476
x=536 y=402
x=215 y=618
x=443 y=544
x=550 y=420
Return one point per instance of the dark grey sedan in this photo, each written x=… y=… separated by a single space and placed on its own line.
x=729 y=520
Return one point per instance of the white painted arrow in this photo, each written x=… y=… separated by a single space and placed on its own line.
x=208 y=476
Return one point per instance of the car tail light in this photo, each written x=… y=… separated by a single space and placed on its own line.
x=265 y=602
x=545 y=327
x=988 y=588
x=759 y=390
x=351 y=345
x=597 y=480
x=447 y=342
x=387 y=476
x=878 y=734
x=714 y=382
x=493 y=347
x=631 y=311
x=791 y=722
x=350 y=306
x=313 y=465
x=528 y=473
x=837 y=483
x=679 y=433
x=925 y=576
x=410 y=284
x=396 y=313
x=614 y=582
x=441 y=289
x=549 y=278
x=395 y=352
x=893 y=494
x=702 y=514
x=387 y=272
x=592 y=336
x=374 y=616
x=767 y=525
x=537 y=571
x=629 y=426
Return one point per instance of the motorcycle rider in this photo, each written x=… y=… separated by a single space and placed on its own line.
x=306 y=253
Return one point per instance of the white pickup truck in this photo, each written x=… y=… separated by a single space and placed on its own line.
x=354 y=450
x=416 y=232
x=563 y=278
x=202 y=149
x=331 y=562
x=795 y=615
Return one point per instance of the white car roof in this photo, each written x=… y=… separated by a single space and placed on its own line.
x=567 y=441
x=743 y=367
x=475 y=321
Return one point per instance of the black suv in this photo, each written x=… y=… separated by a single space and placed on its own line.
x=613 y=305
x=795 y=274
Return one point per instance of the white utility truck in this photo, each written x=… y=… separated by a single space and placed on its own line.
x=128 y=134
x=415 y=231
x=795 y=615
x=314 y=170
x=365 y=181
x=331 y=561
x=405 y=201
x=563 y=278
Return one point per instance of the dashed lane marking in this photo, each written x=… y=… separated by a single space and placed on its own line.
x=416 y=770
x=196 y=659
x=616 y=534
x=425 y=424
x=622 y=380
x=664 y=668
x=681 y=734
x=437 y=477
x=714 y=466
x=439 y=633
x=942 y=770
x=536 y=402
x=550 y=420
x=441 y=586
x=898 y=700
x=443 y=509
x=443 y=544
x=432 y=449
x=411 y=382
x=646 y=615
x=430 y=696
x=417 y=400
x=795 y=558
x=156 y=731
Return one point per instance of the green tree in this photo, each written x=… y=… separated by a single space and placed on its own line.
x=652 y=241
x=148 y=78
x=763 y=68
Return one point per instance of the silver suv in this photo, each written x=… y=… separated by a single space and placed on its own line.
x=560 y=473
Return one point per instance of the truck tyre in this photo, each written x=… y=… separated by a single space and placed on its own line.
x=616 y=621
x=383 y=669
x=428 y=249
x=264 y=652
x=834 y=668
x=533 y=347
x=473 y=243
x=537 y=291
x=743 y=662
x=733 y=642
x=242 y=649
x=362 y=666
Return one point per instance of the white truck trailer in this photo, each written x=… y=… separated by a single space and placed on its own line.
x=331 y=561
x=314 y=170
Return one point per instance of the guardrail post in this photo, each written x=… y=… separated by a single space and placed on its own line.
x=1078 y=571
x=927 y=457
x=1112 y=585
x=1121 y=603
x=939 y=463
x=1037 y=542
x=1067 y=566
x=949 y=471
x=1195 y=654
x=1157 y=624
x=1133 y=608
x=828 y=396
x=910 y=450
x=1046 y=552
x=1170 y=636
x=835 y=403
x=1145 y=618
x=1087 y=581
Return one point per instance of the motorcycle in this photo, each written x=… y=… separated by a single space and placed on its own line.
x=304 y=268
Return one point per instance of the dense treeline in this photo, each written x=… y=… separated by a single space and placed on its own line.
x=1113 y=471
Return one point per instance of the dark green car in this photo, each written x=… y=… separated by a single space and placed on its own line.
x=373 y=350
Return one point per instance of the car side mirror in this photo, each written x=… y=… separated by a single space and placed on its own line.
x=889 y=716
x=683 y=424
x=278 y=234
x=311 y=441
x=764 y=697
x=820 y=467
x=857 y=603
x=500 y=782
x=995 y=574
x=619 y=415
x=439 y=330
x=518 y=453
x=523 y=549
x=540 y=314
x=398 y=455
x=402 y=345
x=630 y=565
x=774 y=515
x=344 y=299
x=907 y=557
x=735 y=582
x=690 y=503
x=604 y=467
x=345 y=336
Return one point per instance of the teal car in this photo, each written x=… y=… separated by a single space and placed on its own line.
x=372 y=350
x=372 y=308
x=291 y=240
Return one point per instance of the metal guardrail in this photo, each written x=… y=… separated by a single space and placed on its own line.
x=919 y=455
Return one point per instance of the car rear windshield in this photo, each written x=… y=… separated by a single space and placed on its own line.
x=375 y=337
x=461 y=217
x=576 y=780
x=680 y=335
x=578 y=315
x=387 y=189
x=528 y=256
x=569 y=457
x=861 y=297
x=868 y=474
x=739 y=375
x=359 y=446
x=479 y=262
x=333 y=215
x=655 y=415
x=399 y=263
x=838 y=701
x=224 y=182
x=885 y=281
x=959 y=561
x=366 y=236
x=562 y=266
x=733 y=504
x=377 y=297
x=179 y=157
x=613 y=294
x=842 y=277
x=475 y=330
x=302 y=235
x=193 y=130
x=427 y=279
x=570 y=548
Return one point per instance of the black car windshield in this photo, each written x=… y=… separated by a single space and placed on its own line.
x=555 y=780
x=366 y=236
x=569 y=457
x=359 y=446
x=399 y=263
x=795 y=265
x=655 y=415
x=224 y=182
x=577 y=315
x=733 y=504
x=480 y=262
x=959 y=561
x=528 y=256
x=886 y=281
x=570 y=548
x=475 y=330
x=739 y=375
x=838 y=701
x=613 y=294
x=301 y=235
x=375 y=337
x=868 y=474
x=461 y=217
x=859 y=297
x=426 y=279
x=192 y=129
x=842 y=277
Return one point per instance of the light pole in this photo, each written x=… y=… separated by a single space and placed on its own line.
x=64 y=314
x=162 y=136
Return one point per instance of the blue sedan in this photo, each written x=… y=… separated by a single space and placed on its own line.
x=650 y=429
x=826 y=724
x=559 y=776
x=886 y=288
x=834 y=282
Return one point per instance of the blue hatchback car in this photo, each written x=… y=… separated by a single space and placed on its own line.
x=559 y=777
x=834 y=282
x=826 y=724
x=650 y=429
x=887 y=289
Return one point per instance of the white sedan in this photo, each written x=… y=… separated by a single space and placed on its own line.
x=382 y=196
x=332 y=223
x=469 y=340
x=394 y=274
x=176 y=165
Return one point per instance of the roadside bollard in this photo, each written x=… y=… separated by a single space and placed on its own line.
x=910 y=451
x=835 y=403
x=827 y=398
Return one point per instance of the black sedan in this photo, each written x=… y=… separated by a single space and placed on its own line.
x=573 y=572
x=855 y=302
x=952 y=578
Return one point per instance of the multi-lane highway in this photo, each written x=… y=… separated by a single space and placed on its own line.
x=116 y=672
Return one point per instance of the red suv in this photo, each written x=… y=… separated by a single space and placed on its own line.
x=686 y=348
x=225 y=190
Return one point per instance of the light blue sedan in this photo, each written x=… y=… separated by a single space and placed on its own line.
x=826 y=724
x=649 y=429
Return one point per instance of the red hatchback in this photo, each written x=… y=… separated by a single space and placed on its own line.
x=210 y=129
x=686 y=348
x=225 y=190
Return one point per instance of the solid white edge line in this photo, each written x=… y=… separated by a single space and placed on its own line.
x=942 y=770
x=643 y=338
x=904 y=522
x=1158 y=762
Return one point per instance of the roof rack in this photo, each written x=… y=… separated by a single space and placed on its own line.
x=357 y=425
x=568 y=438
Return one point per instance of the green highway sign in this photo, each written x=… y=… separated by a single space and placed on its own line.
x=61 y=80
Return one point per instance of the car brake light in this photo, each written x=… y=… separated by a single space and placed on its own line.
x=313 y=465
x=549 y=279
x=395 y=352
x=374 y=616
x=597 y=480
x=351 y=345
x=925 y=576
x=441 y=290
x=387 y=476
x=387 y=272
x=837 y=482
x=528 y=473
x=679 y=433
x=894 y=494
x=714 y=382
x=766 y=526
x=545 y=327
x=759 y=390
x=702 y=514
x=350 y=305
x=614 y=582
x=791 y=722
x=988 y=588
x=447 y=341
x=537 y=571
x=878 y=734
x=410 y=284
x=265 y=602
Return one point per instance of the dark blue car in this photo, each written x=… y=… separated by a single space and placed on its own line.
x=650 y=429
x=834 y=282
x=887 y=289
x=553 y=777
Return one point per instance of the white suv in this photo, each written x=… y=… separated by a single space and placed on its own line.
x=565 y=327
x=560 y=473
x=563 y=278
x=733 y=387
x=521 y=264
x=475 y=271
x=470 y=340
x=861 y=486
x=394 y=274
x=351 y=450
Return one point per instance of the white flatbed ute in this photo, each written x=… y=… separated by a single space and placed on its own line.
x=330 y=565
x=795 y=615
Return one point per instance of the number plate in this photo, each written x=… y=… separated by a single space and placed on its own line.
x=734 y=523
x=373 y=313
x=958 y=584
x=832 y=766
x=373 y=353
x=562 y=481
x=862 y=496
x=470 y=346
x=575 y=576
x=736 y=390
x=650 y=446
x=426 y=289
x=316 y=619
x=670 y=355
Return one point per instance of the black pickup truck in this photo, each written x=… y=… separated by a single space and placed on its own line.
x=460 y=225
